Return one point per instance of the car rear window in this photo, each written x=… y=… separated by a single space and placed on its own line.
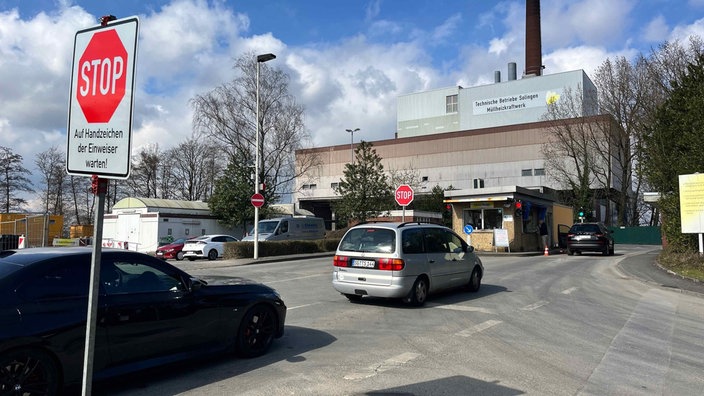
x=369 y=240
x=585 y=228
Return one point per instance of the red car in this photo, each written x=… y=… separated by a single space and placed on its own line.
x=172 y=250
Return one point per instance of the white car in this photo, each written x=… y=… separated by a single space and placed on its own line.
x=206 y=246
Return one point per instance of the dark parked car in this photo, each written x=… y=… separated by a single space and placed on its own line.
x=150 y=313
x=173 y=250
x=590 y=237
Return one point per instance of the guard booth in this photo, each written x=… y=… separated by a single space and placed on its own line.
x=507 y=213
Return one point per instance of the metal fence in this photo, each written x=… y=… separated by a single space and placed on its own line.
x=637 y=235
x=38 y=230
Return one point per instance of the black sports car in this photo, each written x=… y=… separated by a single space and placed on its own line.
x=149 y=313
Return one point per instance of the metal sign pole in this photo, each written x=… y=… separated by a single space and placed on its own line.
x=100 y=187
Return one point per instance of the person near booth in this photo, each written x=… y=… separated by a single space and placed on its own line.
x=543 y=229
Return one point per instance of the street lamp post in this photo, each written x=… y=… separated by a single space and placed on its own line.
x=260 y=59
x=352 y=131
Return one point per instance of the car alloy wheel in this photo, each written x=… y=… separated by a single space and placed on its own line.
x=212 y=254
x=179 y=256
x=256 y=333
x=28 y=372
x=474 y=281
x=419 y=292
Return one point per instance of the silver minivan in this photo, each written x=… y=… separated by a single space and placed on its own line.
x=403 y=260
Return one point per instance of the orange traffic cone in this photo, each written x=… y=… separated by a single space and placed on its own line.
x=546 y=251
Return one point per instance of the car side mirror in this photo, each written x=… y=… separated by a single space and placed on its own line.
x=470 y=249
x=196 y=284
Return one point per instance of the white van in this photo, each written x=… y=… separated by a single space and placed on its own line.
x=289 y=228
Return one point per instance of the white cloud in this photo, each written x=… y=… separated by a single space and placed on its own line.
x=354 y=85
x=656 y=30
x=683 y=32
x=447 y=28
x=588 y=22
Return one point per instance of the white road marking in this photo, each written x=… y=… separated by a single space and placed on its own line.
x=302 y=306
x=300 y=277
x=570 y=290
x=454 y=307
x=535 y=306
x=386 y=365
x=480 y=327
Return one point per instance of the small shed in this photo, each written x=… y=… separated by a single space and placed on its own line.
x=141 y=223
x=511 y=211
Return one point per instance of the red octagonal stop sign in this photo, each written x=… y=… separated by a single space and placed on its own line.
x=404 y=195
x=102 y=76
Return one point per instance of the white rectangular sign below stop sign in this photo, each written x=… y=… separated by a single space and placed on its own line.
x=101 y=100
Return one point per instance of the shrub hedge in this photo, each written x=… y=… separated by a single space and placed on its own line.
x=235 y=250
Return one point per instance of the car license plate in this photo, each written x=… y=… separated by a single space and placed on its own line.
x=583 y=237
x=364 y=263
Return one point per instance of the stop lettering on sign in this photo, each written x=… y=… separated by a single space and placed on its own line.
x=101 y=74
x=403 y=195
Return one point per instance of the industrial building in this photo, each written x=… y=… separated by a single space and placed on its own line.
x=485 y=142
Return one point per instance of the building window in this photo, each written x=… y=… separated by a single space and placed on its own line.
x=334 y=185
x=309 y=186
x=425 y=178
x=451 y=104
x=527 y=172
x=478 y=183
x=539 y=171
x=187 y=231
x=484 y=219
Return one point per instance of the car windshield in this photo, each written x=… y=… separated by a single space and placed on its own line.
x=372 y=240
x=585 y=228
x=179 y=241
x=265 y=227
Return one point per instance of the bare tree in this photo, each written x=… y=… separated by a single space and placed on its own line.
x=51 y=164
x=13 y=180
x=82 y=199
x=144 y=178
x=194 y=166
x=407 y=175
x=577 y=153
x=227 y=116
x=621 y=88
x=668 y=63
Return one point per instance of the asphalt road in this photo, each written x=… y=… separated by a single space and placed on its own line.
x=557 y=325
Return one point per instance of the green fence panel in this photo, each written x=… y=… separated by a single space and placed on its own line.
x=637 y=235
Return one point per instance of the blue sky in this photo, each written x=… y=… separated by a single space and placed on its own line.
x=348 y=60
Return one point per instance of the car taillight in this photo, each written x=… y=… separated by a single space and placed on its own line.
x=341 y=261
x=391 y=264
x=599 y=235
x=570 y=235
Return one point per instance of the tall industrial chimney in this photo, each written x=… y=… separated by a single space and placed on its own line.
x=534 y=56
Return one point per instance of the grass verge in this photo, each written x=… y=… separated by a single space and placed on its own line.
x=690 y=265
